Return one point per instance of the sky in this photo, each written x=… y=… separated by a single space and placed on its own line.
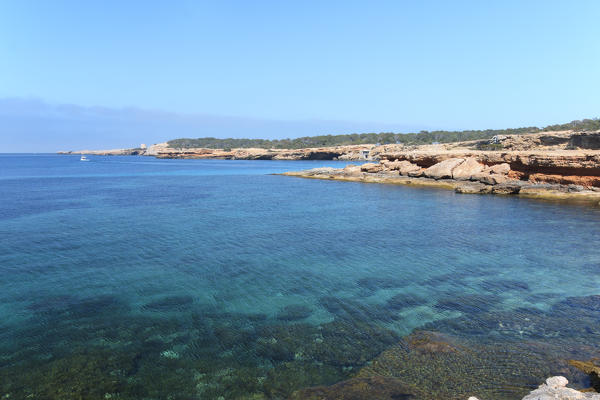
x=287 y=69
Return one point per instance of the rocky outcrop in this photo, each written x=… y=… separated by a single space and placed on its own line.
x=162 y=150
x=466 y=170
x=556 y=388
x=372 y=168
x=443 y=169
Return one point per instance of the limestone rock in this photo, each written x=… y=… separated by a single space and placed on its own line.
x=490 y=179
x=352 y=170
x=443 y=170
x=506 y=188
x=473 y=188
x=406 y=167
x=464 y=171
x=555 y=388
x=371 y=168
x=500 y=169
x=416 y=173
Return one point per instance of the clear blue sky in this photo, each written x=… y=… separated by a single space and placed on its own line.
x=437 y=64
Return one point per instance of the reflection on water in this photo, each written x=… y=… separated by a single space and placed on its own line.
x=157 y=280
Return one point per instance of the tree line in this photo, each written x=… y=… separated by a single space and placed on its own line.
x=423 y=137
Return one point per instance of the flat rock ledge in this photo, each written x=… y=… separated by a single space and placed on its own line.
x=491 y=180
x=556 y=388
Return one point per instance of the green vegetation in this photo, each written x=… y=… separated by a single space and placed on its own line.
x=578 y=125
x=423 y=137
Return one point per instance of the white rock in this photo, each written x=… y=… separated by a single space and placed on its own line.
x=557 y=381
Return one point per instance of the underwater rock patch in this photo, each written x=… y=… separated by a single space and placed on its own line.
x=170 y=303
x=468 y=303
x=294 y=312
x=502 y=285
x=285 y=378
x=405 y=300
x=372 y=284
x=369 y=388
x=353 y=310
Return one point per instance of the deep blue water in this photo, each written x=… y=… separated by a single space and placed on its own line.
x=194 y=267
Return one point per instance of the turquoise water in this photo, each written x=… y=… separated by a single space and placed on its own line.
x=132 y=277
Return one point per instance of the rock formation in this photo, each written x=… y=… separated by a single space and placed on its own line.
x=556 y=388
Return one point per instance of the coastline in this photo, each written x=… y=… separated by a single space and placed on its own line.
x=526 y=190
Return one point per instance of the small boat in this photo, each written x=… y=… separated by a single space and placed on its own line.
x=84 y=158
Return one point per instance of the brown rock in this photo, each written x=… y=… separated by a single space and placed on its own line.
x=473 y=188
x=443 y=170
x=501 y=169
x=506 y=188
x=352 y=170
x=371 y=168
x=416 y=173
x=464 y=171
x=490 y=179
x=369 y=388
x=406 y=167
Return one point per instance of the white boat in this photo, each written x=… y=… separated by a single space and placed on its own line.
x=84 y=158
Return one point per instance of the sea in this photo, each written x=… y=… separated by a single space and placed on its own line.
x=130 y=277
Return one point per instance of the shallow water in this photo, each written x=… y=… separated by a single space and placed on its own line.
x=132 y=277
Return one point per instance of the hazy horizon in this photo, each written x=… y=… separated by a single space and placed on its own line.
x=112 y=74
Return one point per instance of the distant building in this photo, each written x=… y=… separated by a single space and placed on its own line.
x=143 y=146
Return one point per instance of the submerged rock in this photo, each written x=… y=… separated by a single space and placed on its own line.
x=469 y=303
x=405 y=300
x=294 y=312
x=370 y=388
x=592 y=368
x=170 y=303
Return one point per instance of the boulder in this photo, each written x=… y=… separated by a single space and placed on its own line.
x=489 y=179
x=473 y=188
x=500 y=169
x=506 y=188
x=556 y=388
x=416 y=173
x=443 y=170
x=464 y=171
x=352 y=170
x=406 y=167
x=371 y=168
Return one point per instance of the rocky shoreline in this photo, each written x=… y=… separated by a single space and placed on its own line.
x=162 y=150
x=479 y=173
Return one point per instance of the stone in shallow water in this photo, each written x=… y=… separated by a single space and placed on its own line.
x=502 y=285
x=170 y=303
x=286 y=377
x=353 y=310
x=405 y=300
x=370 y=388
x=468 y=303
x=294 y=312
x=446 y=367
x=372 y=284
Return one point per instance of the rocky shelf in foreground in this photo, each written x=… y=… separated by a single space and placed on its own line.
x=556 y=388
x=470 y=174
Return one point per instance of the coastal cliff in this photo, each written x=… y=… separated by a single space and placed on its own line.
x=163 y=150
x=539 y=165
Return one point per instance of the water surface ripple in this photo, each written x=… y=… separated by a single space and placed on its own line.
x=131 y=277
